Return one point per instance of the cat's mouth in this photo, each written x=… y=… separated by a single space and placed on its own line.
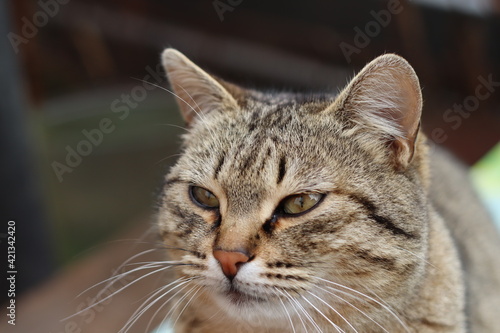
x=238 y=297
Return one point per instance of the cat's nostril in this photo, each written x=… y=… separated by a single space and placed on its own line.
x=230 y=261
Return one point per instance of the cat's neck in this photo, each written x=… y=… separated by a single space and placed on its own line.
x=439 y=305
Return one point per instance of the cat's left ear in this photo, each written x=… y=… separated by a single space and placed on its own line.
x=197 y=92
x=385 y=100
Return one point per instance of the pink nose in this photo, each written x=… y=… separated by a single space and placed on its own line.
x=230 y=261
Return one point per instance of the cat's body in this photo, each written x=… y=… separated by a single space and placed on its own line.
x=289 y=213
x=475 y=236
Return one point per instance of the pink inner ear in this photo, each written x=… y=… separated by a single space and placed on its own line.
x=412 y=106
x=385 y=99
x=409 y=118
x=197 y=92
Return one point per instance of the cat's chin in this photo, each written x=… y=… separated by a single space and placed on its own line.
x=245 y=306
x=237 y=298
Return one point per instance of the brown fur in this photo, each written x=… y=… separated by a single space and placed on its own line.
x=375 y=254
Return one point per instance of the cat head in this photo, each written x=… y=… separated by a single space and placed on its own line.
x=280 y=198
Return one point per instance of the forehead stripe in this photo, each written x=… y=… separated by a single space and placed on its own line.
x=219 y=166
x=281 y=170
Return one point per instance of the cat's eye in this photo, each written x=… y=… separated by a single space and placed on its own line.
x=300 y=203
x=203 y=198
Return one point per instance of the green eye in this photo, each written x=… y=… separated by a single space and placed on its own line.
x=300 y=203
x=203 y=198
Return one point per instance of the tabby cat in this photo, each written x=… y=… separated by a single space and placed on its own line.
x=322 y=212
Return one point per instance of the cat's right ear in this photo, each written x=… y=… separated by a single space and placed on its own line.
x=196 y=91
x=383 y=103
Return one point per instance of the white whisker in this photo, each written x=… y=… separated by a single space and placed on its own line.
x=187 y=304
x=337 y=328
x=333 y=309
x=116 y=278
x=200 y=115
x=370 y=298
x=176 y=126
x=167 y=262
x=352 y=305
x=297 y=312
x=417 y=256
x=116 y=270
x=140 y=312
x=153 y=294
x=287 y=313
x=166 y=158
x=174 y=306
x=304 y=311
x=116 y=292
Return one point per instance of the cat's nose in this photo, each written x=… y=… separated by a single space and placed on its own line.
x=230 y=261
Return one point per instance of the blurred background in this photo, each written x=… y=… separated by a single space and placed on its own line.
x=87 y=132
